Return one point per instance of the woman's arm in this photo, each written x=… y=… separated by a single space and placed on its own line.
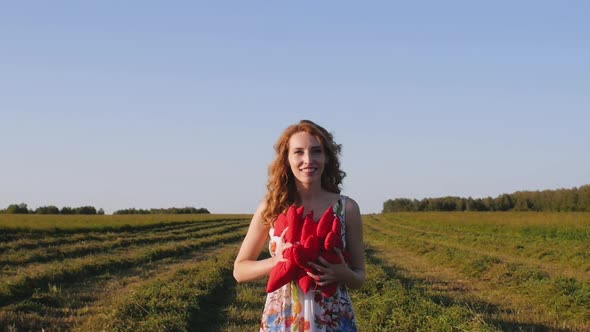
x=353 y=274
x=247 y=266
x=355 y=245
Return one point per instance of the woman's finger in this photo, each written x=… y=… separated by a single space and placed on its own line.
x=284 y=233
x=324 y=283
x=317 y=267
x=340 y=255
x=324 y=262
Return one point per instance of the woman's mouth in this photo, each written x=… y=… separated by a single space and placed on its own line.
x=308 y=170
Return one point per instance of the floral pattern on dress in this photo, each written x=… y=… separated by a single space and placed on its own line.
x=289 y=309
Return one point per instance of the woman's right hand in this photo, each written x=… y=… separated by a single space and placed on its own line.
x=281 y=247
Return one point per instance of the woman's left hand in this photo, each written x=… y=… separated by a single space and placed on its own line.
x=329 y=272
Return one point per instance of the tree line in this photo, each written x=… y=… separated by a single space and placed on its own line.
x=51 y=209
x=172 y=210
x=574 y=199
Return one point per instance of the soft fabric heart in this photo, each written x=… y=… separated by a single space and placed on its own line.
x=310 y=241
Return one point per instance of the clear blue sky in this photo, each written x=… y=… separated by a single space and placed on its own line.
x=121 y=104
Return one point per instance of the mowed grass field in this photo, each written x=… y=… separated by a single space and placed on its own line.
x=426 y=271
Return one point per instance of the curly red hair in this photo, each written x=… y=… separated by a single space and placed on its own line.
x=282 y=191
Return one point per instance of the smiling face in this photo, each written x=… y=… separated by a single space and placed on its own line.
x=306 y=158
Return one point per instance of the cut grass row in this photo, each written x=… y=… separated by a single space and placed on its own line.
x=565 y=244
x=571 y=262
x=63 y=307
x=391 y=302
x=24 y=285
x=540 y=222
x=24 y=240
x=563 y=300
x=186 y=299
x=21 y=258
x=245 y=311
x=43 y=224
x=570 y=229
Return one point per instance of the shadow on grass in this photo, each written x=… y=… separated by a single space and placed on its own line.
x=211 y=315
x=485 y=309
x=208 y=315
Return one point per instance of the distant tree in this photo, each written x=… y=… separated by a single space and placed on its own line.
x=448 y=204
x=47 y=210
x=12 y=209
x=85 y=210
x=522 y=202
x=489 y=204
x=504 y=202
x=470 y=204
x=461 y=203
x=17 y=209
x=66 y=210
x=583 y=198
x=172 y=210
x=132 y=211
x=387 y=206
x=569 y=200
x=100 y=211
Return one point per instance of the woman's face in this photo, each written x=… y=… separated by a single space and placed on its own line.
x=306 y=157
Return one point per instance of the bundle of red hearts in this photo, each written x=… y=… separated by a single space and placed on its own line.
x=310 y=241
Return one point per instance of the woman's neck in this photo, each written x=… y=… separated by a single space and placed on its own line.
x=308 y=193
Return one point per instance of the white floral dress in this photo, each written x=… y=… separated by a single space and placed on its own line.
x=289 y=309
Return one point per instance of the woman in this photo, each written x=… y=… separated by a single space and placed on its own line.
x=305 y=174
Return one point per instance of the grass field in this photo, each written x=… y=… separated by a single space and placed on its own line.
x=426 y=271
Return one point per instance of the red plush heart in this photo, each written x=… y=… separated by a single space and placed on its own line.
x=337 y=226
x=309 y=240
x=332 y=241
x=306 y=283
x=281 y=274
x=280 y=224
x=308 y=229
x=295 y=224
x=325 y=223
x=284 y=272
x=307 y=252
x=332 y=257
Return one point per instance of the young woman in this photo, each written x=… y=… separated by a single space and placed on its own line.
x=305 y=174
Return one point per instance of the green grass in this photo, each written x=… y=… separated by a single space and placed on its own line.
x=20 y=286
x=561 y=240
x=390 y=302
x=490 y=251
x=529 y=271
x=112 y=242
x=188 y=299
x=9 y=223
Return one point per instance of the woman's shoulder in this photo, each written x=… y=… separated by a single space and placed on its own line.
x=258 y=217
x=261 y=206
x=351 y=206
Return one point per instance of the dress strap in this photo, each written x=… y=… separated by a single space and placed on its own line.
x=341 y=212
